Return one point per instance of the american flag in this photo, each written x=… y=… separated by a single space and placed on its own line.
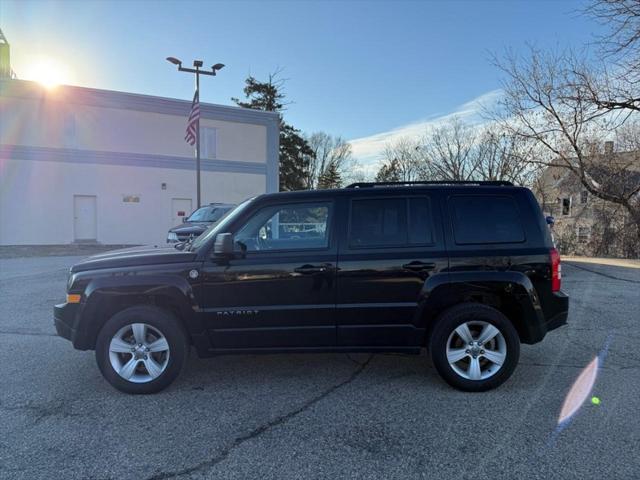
x=194 y=119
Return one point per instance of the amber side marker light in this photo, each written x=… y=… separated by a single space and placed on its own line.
x=73 y=298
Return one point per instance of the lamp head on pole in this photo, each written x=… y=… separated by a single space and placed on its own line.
x=197 y=63
x=216 y=67
x=174 y=60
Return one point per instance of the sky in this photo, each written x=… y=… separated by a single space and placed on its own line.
x=365 y=70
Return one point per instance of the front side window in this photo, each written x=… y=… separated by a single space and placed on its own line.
x=298 y=226
x=485 y=219
x=566 y=206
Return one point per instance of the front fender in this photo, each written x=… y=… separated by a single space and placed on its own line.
x=104 y=296
x=513 y=292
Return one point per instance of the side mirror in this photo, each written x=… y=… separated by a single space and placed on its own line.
x=184 y=219
x=550 y=220
x=223 y=245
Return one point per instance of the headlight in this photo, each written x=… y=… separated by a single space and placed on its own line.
x=172 y=237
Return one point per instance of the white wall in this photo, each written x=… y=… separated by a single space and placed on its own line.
x=40 y=123
x=68 y=141
x=36 y=199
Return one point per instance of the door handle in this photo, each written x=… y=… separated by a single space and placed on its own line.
x=307 y=269
x=417 y=266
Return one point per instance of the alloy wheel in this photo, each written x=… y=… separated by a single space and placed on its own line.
x=476 y=350
x=139 y=353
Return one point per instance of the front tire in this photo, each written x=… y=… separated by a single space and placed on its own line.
x=141 y=349
x=474 y=347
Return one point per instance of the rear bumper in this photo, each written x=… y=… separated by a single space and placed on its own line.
x=560 y=311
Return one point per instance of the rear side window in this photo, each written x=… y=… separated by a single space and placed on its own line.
x=481 y=219
x=391 y=222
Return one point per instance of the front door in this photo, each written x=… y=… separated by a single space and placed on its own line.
x=84 y=218
x=389 y=248
x=278 y=291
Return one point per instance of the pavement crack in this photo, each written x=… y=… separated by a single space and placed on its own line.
x=35 y=334
x=258 y=431
x=42 y=411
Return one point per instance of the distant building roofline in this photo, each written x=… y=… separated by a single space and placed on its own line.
x=132 y=101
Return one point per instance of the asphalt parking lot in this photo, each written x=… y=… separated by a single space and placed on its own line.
x=319 y=416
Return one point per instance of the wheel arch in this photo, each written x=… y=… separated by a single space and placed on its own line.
x=509 y=292
x=105 y=297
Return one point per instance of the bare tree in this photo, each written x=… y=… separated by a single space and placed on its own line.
x=457 y=151
x=330 y=162
x=448 y=152
x=401 y=161
x=503 y=156
x=545 y=101
x=616 y=87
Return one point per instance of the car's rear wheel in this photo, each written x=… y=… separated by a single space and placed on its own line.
x=141 y=349
x=474 y=347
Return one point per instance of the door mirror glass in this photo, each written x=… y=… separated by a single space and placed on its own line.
x=223 y=245
x=184 y=219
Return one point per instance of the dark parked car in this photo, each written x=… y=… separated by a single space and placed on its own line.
x=194 y=225
x=467 y=270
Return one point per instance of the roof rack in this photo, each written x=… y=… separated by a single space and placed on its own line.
x=493 y=183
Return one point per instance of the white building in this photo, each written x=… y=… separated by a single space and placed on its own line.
x=79 y=164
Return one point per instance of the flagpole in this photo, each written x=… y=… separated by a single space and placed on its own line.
x=198 y=139
x=197 y=64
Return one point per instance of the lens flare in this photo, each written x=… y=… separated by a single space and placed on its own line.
x=580 y=391
x=48 y=72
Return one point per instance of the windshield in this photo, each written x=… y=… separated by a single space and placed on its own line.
x=219 y=227
x=208 y=214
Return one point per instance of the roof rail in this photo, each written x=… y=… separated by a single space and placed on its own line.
x=492 y=183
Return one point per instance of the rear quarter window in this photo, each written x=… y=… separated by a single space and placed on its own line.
x=485 y=219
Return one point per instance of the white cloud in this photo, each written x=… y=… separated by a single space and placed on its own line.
x=368 y=150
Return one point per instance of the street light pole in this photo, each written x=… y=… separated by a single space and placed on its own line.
x=197 y=72
x=198 y=204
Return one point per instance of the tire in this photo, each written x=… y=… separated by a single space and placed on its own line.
x=485 y=363
x=150 y=367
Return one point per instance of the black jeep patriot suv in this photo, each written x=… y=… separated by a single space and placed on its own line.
x=467 y=270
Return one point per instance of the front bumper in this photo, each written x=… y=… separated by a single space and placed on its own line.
x=64 y=319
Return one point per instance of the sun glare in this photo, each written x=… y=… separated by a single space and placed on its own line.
x=48 y=72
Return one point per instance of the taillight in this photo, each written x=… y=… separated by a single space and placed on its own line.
x=556 y=270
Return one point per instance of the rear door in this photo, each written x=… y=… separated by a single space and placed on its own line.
x=389 y=247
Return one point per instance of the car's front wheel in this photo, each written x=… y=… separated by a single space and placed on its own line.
x=474 y=347
x=141 y=349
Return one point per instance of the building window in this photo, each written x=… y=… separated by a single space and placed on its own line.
x=566 y=206
x=584 y=195
x=208 y=142
x=584 y=233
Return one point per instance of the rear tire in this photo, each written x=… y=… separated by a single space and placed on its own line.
x=141 y=349
x=474 y=347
